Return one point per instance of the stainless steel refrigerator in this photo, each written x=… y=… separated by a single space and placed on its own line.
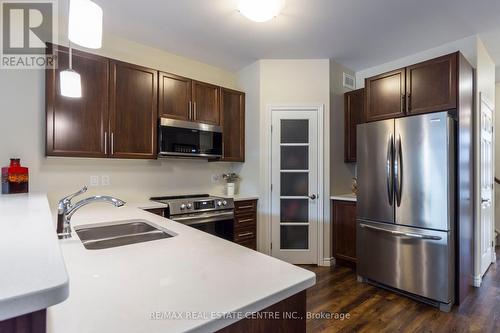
x=406 y=206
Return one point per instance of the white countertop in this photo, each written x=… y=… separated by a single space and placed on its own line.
x=344 y=197
x=240 y=197
x=33 y=275
x=117 y=289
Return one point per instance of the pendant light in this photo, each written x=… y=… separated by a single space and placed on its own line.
x=70 y=81
x=261 y=10
x=85 y=23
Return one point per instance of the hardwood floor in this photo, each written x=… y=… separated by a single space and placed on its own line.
x=372 y=309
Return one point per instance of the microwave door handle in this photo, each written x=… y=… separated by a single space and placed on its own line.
x=389 y=169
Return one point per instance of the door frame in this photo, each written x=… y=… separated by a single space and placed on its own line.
x=323 y=179
x=478 y=277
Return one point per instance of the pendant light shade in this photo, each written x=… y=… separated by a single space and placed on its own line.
x=71 y=84
x=85 y=23
x=261 y=10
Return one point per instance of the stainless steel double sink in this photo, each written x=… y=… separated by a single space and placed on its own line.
x=121 y=233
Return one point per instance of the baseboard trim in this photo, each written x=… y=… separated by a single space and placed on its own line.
x=327 y=262
x=477 y=280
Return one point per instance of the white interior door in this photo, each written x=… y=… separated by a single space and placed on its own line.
x=486 y=227
x=294 y=179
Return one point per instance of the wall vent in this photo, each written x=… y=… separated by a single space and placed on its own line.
x=349 y=81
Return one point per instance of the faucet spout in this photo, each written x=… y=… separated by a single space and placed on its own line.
x=66 y=210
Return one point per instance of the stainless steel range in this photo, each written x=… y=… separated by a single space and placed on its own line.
x=214 y=215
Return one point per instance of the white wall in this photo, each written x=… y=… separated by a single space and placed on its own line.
x=497 y=159
x=341 y=173
x=281 y=82
x=22 y=134
x=466 y=45
x=485 y=86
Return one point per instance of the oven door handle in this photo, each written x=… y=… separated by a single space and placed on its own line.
x=203 y=218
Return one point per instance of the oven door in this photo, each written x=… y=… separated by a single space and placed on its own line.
x=188 y=139
x=220 y=224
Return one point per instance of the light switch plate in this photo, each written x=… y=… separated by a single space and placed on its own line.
x=94 y=180
x=105 y=180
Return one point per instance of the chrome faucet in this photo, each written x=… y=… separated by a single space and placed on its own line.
x=65 y=210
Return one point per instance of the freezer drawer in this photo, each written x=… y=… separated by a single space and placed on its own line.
x=413 y=260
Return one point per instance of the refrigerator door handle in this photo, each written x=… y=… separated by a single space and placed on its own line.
x=398 y=171
x=399 y=233
x=389 y=169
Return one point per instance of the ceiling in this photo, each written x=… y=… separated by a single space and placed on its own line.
x=356 y=33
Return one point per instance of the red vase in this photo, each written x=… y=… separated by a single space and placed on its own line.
x=15 y=178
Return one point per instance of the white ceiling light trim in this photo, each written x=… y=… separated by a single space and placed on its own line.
x=261 y=10
x=85 y=23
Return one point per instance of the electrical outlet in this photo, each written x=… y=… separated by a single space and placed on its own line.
x=105 y=180
x=215 y=178
x=94 y=180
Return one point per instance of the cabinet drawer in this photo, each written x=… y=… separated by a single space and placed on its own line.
x=250 y=243
x=245 y=207
x=246 y=220
x=245 y=234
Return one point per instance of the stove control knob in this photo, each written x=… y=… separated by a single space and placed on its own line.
x=183 y=206
x=219 y=203
x=189 y=205
x=224 y=203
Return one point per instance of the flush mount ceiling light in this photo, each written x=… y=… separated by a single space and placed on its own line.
x=261 y=10
x=85 y=23
x=70 y=81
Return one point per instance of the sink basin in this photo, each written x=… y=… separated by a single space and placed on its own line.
x=104 y=236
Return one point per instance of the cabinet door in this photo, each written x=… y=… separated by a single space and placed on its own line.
x=233 y=124
x=174 y=97
x=353 y=115
x=432 y=85
x=133 y=111
x=344 y=230
x=77 y=127
x=385 y=95
x=206 y=103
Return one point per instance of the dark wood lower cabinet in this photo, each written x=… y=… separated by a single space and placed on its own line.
x=344 y=232
x=245 y=223
x=290 y=318
x=35 y=322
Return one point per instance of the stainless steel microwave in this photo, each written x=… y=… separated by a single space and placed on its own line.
x=188 y=139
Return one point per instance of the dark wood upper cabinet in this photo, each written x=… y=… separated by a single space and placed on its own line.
x=344 y=230
x=385 y=95
x=206 y=103
x=353 y=115
x=432 y=85
x=233 y=124
x=77 y=126
x=133 y=111
x=174 y=97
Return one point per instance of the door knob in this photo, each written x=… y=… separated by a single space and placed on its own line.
x=312 y=196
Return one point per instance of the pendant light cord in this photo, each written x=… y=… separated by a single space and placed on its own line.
x=69 y=42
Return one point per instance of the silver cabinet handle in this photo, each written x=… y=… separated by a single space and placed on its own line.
x=245 y=234
x=112 y=143
x=389 y=169
x=105 y=143
x=245 y=220
x=190 y=111
x=398 y=171
x=312 y=196
x=244 y=207
x=399 y=233
x=194 y=111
